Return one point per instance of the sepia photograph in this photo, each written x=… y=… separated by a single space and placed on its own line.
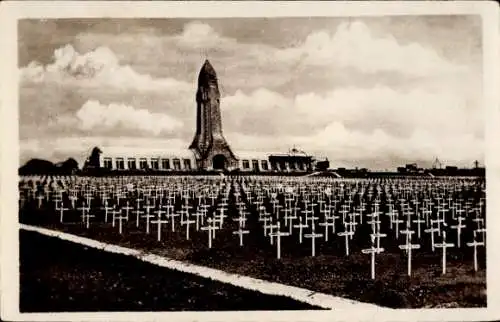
x=227 y=163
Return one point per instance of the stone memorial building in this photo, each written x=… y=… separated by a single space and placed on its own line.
x=209 y=150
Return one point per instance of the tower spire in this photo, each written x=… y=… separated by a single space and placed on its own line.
x=209 y=144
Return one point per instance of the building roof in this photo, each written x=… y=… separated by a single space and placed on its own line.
x=265 y=155
x=249 y=155
x=137 y=152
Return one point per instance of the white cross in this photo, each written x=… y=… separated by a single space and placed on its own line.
x=172 y=219
x=427 y=213
x=241 y=221
x=198 y=215
x=106 y=211
x=104 y=198
x=127 y=209
x=397 y=221
x=137 y=213
x=327 y=224
x=240 y=232
x=313 y=237
x=432 y=230
x=392 y=214
x=61 y=212
x=374 y=222
x=266 y=219
x=408 y=234
x=438 y=221
x=188 y=222
x=211 y=228
x=482 y=231
x=377 y=235
x=159 y=222
x=278 y=234
x=408 y=247
x=459 y=227
x=86 y=217
x=271 y=230
x=40 y=198
x=147 y=216
x=418 y=221
x=73 y=199
x=444 y=245
x=168 y=209
x=352 y=225
x=84 y=210
x=300 y=226
x=475 y=244
x=347 y=234
x=120 y=219
x=89 y=199
x=138 y=202
x=372 y=250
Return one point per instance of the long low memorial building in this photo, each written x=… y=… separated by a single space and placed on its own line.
x=111 y=159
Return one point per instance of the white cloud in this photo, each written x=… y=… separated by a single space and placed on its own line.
x=443 y=113
x=201 y=35
x=455 y=149
x=360 y=123
x=94 y=115
x=259 y=100
x=97 y=68
x=353 y=45
x=340 y=144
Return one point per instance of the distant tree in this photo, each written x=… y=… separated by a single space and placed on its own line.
x=70 y=166
x=37 y=166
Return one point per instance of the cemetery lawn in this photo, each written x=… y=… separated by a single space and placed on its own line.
x=57 y=275
x=329 y=272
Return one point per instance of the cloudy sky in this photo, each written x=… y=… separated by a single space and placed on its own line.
x=368 y=92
